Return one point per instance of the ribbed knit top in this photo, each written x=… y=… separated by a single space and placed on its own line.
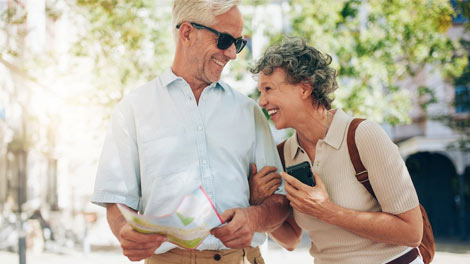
x=388 y=176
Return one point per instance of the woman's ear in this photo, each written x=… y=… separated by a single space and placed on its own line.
x=306 y=89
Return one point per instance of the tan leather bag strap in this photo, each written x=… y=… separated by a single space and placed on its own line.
x=361 y=173
x=280 y=150
x=427 y=246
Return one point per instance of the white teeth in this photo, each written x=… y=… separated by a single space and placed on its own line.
x=272 y=112
x=219 y=62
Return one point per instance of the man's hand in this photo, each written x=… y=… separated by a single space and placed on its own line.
x=137 y=246
x=239 y=230
x=263 y=183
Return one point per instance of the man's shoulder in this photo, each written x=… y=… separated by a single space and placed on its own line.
x=145 y=89
x=242 y=98
x=141 y=94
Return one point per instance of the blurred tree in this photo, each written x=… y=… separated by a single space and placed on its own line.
x=22 y=65
x=375 y=44
x=460 y=121
x=131 y=42
x=22 y=60
x=128 y=41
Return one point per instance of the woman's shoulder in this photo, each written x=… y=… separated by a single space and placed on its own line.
x=369 y=125
x=369 y=132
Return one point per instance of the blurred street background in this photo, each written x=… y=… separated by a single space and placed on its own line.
x=64 y=64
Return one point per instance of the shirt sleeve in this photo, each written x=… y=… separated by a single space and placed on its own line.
x=266 y=151
x=388 y=174
x=118 y=176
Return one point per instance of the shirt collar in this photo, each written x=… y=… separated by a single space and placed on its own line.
x=294 y=146
x=337 y=131
x=169 y=77
x=334 y=137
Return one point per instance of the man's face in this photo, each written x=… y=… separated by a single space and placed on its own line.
x=207 y=59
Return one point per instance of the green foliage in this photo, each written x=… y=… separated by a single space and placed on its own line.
x=374 y=44
x=377 y=43
x=461 y=122
x=23 y=70
x=464 y=78
x=129 y=41
x=426 y=97
x=464 y=8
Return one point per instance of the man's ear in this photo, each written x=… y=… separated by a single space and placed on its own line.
x=306 y=89
x=185 y=34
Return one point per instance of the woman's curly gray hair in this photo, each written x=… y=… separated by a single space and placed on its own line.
x=301 y=63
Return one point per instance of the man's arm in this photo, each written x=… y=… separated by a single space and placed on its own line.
x=136 y=246
x=242 y=223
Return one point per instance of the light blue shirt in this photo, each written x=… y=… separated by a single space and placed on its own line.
x=161 y=145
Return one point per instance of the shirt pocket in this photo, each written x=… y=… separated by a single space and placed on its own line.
x=165 y=153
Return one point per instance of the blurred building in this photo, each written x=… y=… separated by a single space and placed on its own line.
x=28 y=160
x=48 y=145
x=441 y=174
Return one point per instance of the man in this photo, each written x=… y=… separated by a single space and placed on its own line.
x=185 y=129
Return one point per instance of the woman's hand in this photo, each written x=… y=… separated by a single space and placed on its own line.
x=263 y=183
x=312 y=201
x=402 y=229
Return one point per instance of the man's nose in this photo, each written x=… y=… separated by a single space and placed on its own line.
x=231 y=52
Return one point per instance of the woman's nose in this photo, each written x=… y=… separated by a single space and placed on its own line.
x=262 y=100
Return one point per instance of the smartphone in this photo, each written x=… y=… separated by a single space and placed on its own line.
x=302 y=172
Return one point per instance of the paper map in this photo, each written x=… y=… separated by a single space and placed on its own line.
x=187 y=227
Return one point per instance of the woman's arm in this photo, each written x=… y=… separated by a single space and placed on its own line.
x=262 y=185
x=288 y=235
x=401 y=229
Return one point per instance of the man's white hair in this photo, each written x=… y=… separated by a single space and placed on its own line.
x=199 y=11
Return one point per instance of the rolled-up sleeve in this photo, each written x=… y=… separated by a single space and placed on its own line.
x=118 y=176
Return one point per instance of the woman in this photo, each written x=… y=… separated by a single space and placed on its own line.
x=344 y=222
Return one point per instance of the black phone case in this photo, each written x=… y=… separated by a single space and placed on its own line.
x=302 y=173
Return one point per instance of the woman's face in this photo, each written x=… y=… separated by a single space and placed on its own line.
x=280 y=98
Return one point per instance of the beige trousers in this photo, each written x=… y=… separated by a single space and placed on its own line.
x=180 y=256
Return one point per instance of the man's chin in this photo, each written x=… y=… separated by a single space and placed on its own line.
x=215 y=78
x=215 y=73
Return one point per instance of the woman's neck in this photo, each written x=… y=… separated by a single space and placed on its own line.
x=313 y=127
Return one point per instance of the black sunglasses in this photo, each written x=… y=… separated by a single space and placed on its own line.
x=224 y=40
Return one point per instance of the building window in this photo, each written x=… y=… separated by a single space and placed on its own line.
x=462 y=99
x=461 y=7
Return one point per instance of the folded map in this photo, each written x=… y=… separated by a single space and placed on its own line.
x=187 y=227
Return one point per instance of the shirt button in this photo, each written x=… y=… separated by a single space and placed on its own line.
x=204 y=161
x=199 y=128
x=190 y=98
